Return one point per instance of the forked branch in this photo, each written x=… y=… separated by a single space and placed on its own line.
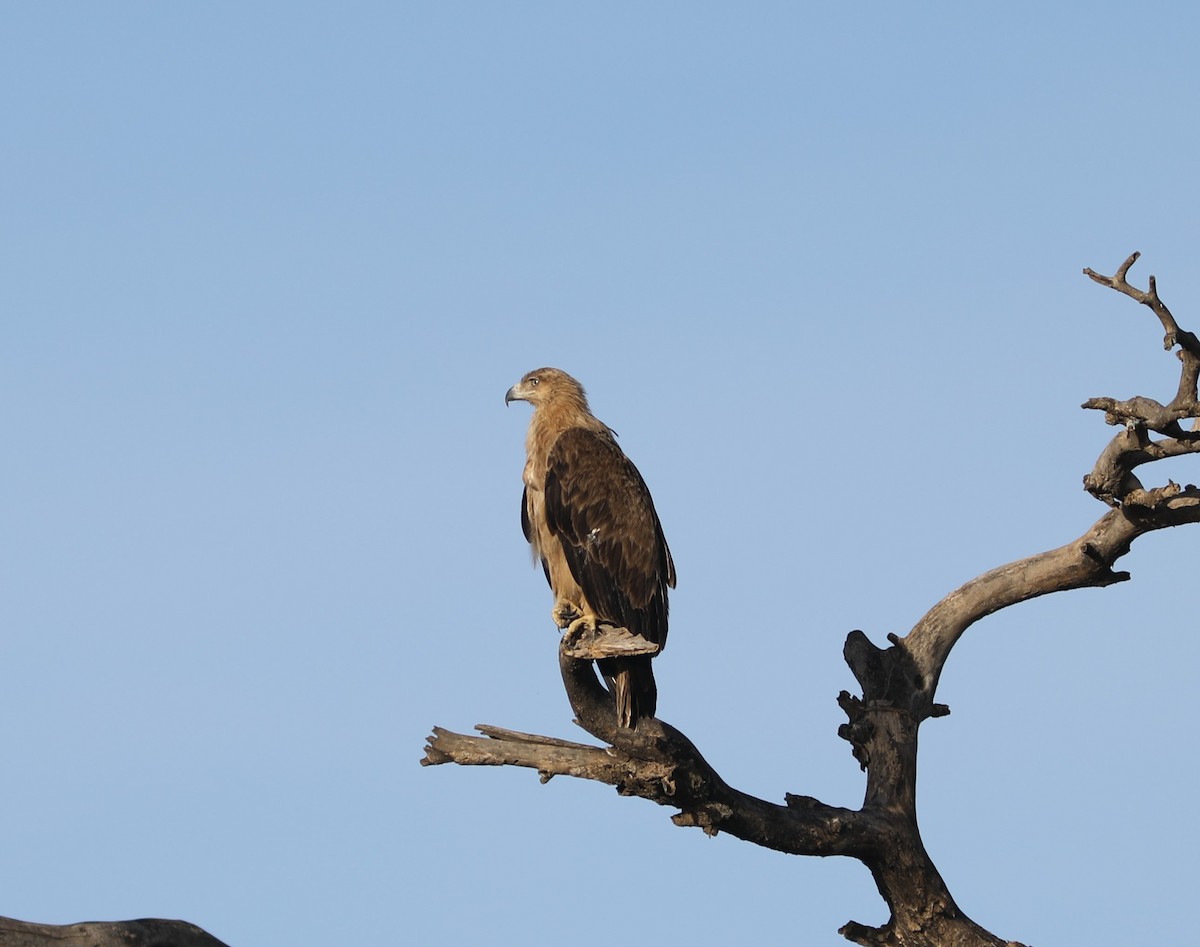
x=1173 y=334
x=654 y=762
x=1112 y=479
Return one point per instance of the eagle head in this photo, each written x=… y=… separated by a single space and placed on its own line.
x=546 y=384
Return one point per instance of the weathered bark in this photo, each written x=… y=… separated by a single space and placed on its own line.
x=147 y=932
x=898 y=685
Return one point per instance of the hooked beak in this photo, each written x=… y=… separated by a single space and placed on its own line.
x=511 y=395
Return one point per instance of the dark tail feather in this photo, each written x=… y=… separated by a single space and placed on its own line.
x=631 y=682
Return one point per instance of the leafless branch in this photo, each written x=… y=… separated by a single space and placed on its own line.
x=1112 y=479
x=1119 y=282
x=148 y=932
x=1189 y=345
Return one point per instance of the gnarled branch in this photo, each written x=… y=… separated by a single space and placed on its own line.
x=656 y=762
x=1112 y=479
x=1173 y=334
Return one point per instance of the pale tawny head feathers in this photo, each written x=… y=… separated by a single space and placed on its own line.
x=549 y=386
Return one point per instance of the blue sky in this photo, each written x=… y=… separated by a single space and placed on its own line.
x=268 y=272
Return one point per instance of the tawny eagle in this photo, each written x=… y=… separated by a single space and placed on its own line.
x=589 y=518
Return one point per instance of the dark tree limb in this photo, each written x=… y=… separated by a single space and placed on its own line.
x=1083 y=563
x=1145 y=411
x=1173 y=334
x=1112 y=479
x=147 y=932
x=898 y=686
x=658 y=763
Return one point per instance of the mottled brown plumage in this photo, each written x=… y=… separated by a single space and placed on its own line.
x=590 y=520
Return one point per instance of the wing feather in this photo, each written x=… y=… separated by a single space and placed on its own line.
x=599 y=507
x=526 y=526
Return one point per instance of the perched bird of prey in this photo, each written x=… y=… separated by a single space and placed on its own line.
x=590 y=520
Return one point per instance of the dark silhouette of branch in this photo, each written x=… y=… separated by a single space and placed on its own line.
x=898 y=683
x=148 y=932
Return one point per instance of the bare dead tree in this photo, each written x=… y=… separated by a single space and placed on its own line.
x=899 y=684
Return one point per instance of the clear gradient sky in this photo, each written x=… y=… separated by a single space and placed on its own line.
x=268 y=270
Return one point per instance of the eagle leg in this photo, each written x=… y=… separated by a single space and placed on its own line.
x=564 y=613
x=577 y=630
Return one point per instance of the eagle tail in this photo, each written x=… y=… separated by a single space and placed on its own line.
x=631 y=682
